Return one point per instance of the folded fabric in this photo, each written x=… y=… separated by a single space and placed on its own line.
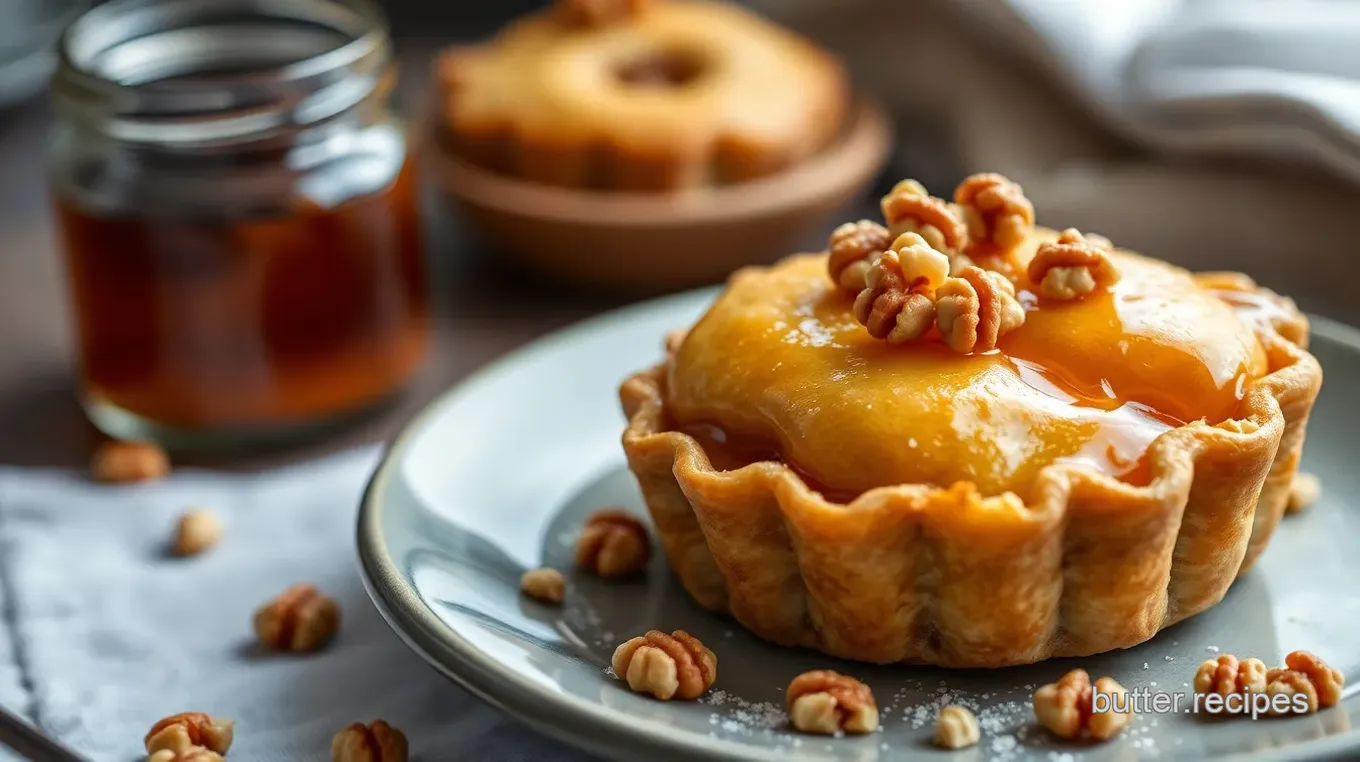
x=11 y=688
x=1274 y=79
x=114 y=634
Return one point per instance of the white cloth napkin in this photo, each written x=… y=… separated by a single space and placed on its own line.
x=113 y=634
x=11 y=689
x=1256 y=78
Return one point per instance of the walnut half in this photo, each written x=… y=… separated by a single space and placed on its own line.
x=1327 y=680
x=898 y=300
x=908 y=208
x=546 y=585
x=613 y=543
x=977 y=308
x=851 y=250
x=1289 y=683
x=995 y=211
x=1226 y=675
x=956 y=728
x=666 y=666
x=824 y=702
x=196 y=531
x=184 y=731
x=1066 y=707
x=375 y=742
x=300 y=619
x=1072 y=267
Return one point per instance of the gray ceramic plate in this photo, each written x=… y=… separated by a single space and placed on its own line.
x=496 y=475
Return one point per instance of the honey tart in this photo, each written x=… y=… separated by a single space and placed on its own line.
x=961 y=439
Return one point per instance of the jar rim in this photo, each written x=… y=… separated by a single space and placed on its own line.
x=204 y=72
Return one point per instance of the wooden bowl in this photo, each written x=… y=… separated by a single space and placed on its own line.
x=651 y=242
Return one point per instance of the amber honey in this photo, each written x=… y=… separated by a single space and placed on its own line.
x=248 y=323
x=235 y=196
x=731 y=450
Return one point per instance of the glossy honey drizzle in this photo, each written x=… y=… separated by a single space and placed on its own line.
x=1091 y=384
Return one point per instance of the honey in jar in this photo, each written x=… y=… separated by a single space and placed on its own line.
x=238 y=218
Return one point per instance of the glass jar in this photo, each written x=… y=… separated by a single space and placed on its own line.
x=238 y=215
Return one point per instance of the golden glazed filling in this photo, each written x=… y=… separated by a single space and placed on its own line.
x=780 y=369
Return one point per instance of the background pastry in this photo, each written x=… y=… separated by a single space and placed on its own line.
x=640 y=96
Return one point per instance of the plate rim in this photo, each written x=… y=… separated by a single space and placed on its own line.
x=570 y=718
x=503 y=688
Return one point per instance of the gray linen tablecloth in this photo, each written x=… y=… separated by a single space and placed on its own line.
x=110 y=633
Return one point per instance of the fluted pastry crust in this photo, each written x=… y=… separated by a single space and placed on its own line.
x=947 y=576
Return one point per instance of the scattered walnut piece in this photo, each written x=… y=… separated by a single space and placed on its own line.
x=908 y=208
x=375 y=742
x=197 y=530
x=192 y=754
x=851 y=250
x=1304 y=490
x=1103 y=726
x=1303 y=674
x=1072 y=267
x=300 y=619
x=1288 y=682
x=995 y=211
x=956 y=728
x=1065 y=707
x=1326 y=679
x=826 y=703
x=898 y=300
x=613 y=543
x=1227 y=675
x=666 y=666
x=547 y=585
x=1058 y=706
x=975 y=309
x=596 y=13
x=184 y=731
x=124 y=462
